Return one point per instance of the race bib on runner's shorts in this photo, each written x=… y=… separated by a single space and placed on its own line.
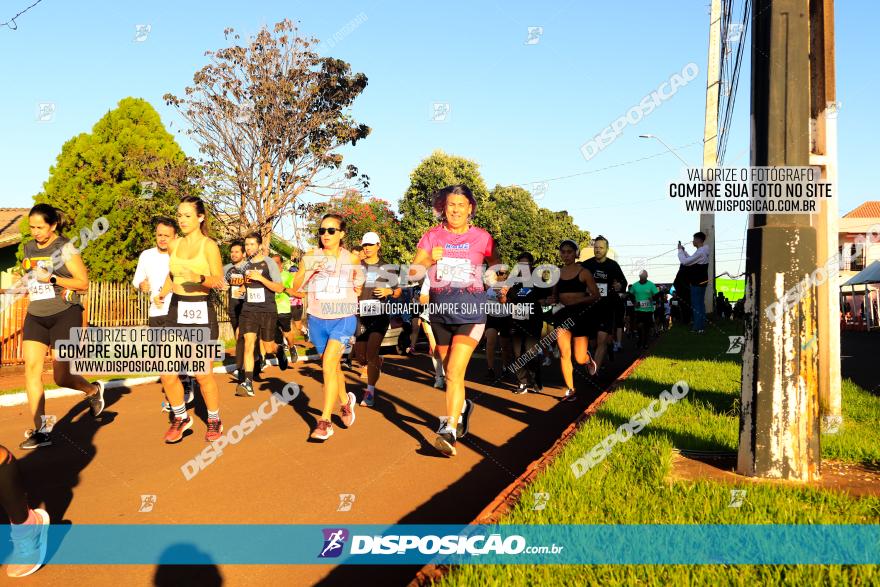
x=192 y=312
x=520 y=312
x=370 y=307
x=256 y=295
x=603 y=289
x=40 y=291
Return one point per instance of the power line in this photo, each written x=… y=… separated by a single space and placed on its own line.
x=11 y=24
x=591 y=171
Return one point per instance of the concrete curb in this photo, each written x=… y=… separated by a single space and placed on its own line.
x=18 y=398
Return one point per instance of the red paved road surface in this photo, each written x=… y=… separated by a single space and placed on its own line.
x=98 y=469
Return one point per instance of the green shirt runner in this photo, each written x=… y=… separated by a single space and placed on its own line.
x=282 y=300
x=644 y=293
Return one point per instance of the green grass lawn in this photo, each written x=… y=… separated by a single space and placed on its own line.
x=630 y=486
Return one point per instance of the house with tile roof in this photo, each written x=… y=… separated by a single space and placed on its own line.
x=853 y=225
x=10 y=237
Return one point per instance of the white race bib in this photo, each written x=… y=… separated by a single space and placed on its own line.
x=370 y=307
x=327 y=289
x=40 y=291
x=192 y=312
x=256 y=295
x=645 y=303
x=454 y=270
x=603 y=289
x=520 y=312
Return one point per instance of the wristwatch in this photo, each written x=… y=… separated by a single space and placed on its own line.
x=53 y=280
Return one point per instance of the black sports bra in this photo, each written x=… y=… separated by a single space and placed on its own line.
x=573 y=285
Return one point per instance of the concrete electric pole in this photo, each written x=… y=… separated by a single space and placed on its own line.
x=779 y=420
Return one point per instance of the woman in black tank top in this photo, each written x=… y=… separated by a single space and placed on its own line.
x=56 y=274
x=576 y=290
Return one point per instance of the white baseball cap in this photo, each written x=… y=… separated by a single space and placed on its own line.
x=371 y=238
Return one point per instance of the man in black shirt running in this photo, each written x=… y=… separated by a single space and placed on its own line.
x=611 y=282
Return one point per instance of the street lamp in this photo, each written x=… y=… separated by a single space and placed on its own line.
x=668 y=148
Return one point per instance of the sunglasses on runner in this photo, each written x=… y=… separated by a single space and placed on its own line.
x=332 y=230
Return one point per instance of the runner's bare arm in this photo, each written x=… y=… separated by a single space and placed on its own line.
x=215 y=264
x=80 y=280
x=359 y=275
x=304 y=273
x=424 y=259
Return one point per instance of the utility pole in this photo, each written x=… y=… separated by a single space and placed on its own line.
x=710 y=137
x=779 y=419
x=823 y=152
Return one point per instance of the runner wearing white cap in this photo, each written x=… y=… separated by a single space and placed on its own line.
x=373 y=317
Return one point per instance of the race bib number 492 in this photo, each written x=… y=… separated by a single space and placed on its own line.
x=192 y=312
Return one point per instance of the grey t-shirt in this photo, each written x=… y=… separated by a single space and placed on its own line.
x=46 y=299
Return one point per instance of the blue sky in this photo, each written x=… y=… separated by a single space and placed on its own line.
x=520 y=110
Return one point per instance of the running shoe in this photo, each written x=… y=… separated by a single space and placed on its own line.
x=569 y=396
x=521 y=389
x=215 y=429
x=96 y=400
x=444 y=422
x=282 y=358
x=369 y=399
x=245 y=389
x=36 y=439
x=592 y=367
x=534 y=389
x=465 y=420
x=29 y=543
x=445 y=441
x=347 y=410
x=323 y=431
x=440 y=383
x=178 y=427
x=490 y=374
x=189 y=390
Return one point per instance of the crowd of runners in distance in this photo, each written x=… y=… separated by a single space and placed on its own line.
x=343 y=301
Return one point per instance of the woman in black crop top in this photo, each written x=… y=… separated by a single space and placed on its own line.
x=576 y=290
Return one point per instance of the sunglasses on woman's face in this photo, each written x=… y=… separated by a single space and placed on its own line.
x=332 y=230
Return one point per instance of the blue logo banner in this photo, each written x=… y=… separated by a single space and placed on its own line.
x=456 y=544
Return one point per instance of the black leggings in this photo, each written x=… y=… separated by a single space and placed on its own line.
x=12 y=495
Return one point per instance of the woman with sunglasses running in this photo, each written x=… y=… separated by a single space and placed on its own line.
x=577 y=291
x=332 y=278
x=454 y=252
x=195 y=267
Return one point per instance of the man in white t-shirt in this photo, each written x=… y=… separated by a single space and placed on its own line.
x=149 y=277
x=152 y=269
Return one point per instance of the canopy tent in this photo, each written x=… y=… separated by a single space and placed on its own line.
x=870 y=274
x=861 y=309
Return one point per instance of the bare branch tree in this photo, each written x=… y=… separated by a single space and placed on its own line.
x=269 y=119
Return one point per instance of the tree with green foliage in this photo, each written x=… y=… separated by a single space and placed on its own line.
x=509 y=213
x=129 y=170
x=362 y=215
x=416 y=207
